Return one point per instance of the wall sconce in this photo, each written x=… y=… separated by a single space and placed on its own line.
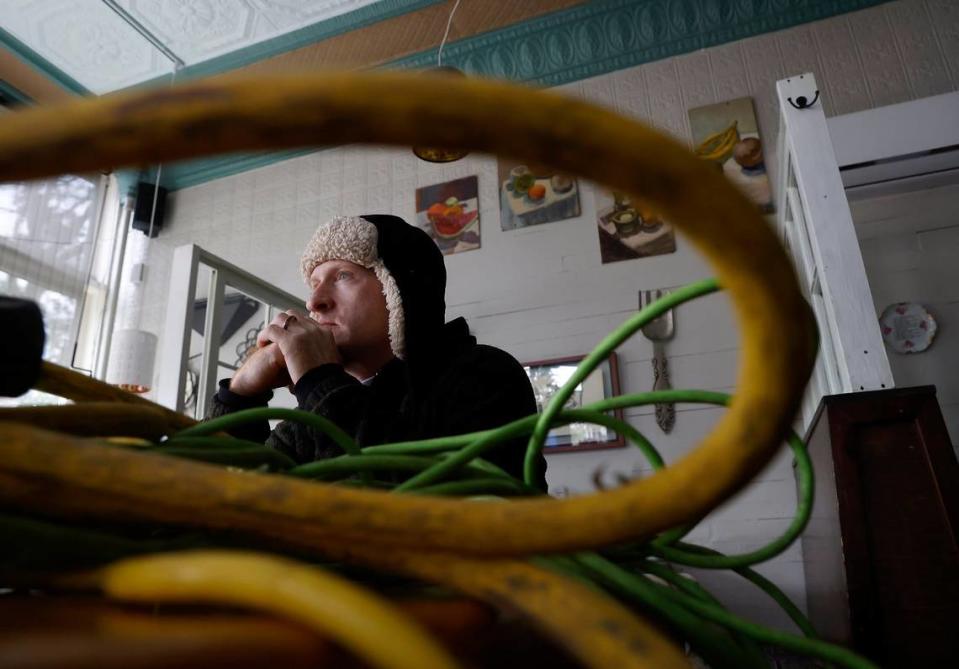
x=131 y=360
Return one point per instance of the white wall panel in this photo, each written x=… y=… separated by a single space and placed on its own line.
x=910 y=242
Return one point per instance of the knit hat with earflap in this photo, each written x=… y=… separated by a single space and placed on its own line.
x=407 y=263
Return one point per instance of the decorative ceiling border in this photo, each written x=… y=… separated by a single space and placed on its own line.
x=600 y=37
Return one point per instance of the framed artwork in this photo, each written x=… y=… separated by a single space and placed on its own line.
x=548 y=376
x=628 y=230
x=449 y=213
x=727 y=135
x=533 y=195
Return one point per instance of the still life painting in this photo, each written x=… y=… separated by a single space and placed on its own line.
x=629 y=230
x=727 y=135
x=449 y=213
x=533 y=195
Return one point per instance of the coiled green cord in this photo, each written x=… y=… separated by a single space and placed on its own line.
x=484 y=441
x=473 y=445
x=610 y=343
x=715 y=646
x=225 y=450
x=804 y=474
x=224 y=423
x=347 y=465
x=692 y=588
x=644 y=591
x=683 y=604
x=767 y=586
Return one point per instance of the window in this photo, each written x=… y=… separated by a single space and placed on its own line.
x=47 y=235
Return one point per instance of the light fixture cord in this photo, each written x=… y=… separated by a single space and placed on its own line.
x=449 y=23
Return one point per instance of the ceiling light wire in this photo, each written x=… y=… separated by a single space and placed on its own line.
x=146 y=34
x=449 y=23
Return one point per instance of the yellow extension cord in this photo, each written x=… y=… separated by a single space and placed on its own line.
x=68 y=476
x=361 y=621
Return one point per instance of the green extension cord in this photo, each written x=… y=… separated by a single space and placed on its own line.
x=454 y=466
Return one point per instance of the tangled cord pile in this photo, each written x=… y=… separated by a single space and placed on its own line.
x=530 y=553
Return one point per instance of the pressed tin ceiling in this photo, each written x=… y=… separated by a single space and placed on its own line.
x=542 y=42
x=91 y=44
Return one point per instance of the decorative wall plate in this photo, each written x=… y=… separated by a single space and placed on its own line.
x=907 y=327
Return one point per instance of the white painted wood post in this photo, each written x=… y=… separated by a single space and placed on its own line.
x=213 y=324
x=175 y=349
x=175 y=345
x=814 y=217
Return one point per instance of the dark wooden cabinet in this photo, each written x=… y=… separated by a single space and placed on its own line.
x=881 y=551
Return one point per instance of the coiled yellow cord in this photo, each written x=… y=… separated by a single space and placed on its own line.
x=361 y=621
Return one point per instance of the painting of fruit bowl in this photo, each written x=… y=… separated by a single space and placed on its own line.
x=534 y=194
x=449 y=219
x=727 y=135
x=629 y=230
x=449 y=213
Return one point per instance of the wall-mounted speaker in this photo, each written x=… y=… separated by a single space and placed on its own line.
x=144 y=208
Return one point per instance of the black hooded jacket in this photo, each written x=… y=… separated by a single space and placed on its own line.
x=447 y=384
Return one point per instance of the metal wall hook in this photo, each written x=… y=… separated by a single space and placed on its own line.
x=802 y=103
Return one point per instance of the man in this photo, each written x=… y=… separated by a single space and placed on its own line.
x=375 y=355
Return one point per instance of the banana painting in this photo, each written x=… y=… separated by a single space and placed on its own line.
x=719 y=146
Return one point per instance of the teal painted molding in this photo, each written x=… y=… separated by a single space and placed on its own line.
x=41 y=64
x=601 y=37
x=13 y=94
x=127 y=180
x=194 y=172
x=359 y=18
x=577 y=43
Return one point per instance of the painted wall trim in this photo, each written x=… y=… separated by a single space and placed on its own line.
x=568 y=45
x=194 y=172
x=41 y=64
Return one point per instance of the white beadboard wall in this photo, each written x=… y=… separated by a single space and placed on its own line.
x=543 y=292
x=910 y=243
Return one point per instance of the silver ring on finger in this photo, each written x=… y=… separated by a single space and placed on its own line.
x=289 y=319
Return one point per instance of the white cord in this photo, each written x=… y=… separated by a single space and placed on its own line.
x=439 y=56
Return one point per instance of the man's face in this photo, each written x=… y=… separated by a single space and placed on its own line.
x=348 y=300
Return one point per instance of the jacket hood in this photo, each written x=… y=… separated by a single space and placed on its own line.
x=407 y=263
x=419 y=271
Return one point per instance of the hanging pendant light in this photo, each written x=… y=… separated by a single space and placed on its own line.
x=431 y=153
x=434 y=154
